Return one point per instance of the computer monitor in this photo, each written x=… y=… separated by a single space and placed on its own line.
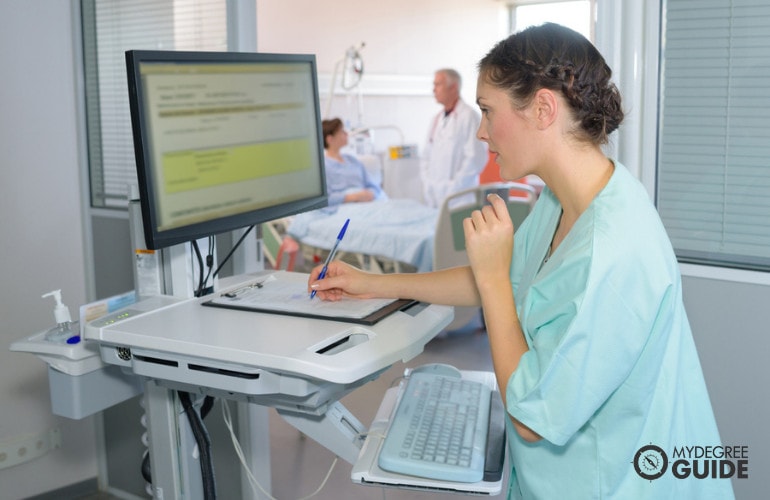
x=223 y=140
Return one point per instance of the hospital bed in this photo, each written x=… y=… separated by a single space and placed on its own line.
x=388 y=235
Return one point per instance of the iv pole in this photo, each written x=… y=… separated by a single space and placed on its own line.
x=352 y=74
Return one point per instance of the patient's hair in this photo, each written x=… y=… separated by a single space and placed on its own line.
x=557 y=58
x=330 y=127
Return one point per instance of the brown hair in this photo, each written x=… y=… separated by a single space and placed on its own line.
x=557 y=58
x=330 y=127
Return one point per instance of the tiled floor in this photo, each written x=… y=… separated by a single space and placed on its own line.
x=299 y=464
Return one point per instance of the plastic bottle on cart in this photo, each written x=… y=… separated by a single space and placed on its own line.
x=65 y=328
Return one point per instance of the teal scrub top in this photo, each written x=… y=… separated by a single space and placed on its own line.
x=612 y=366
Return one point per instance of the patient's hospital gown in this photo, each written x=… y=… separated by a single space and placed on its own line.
x=612 y=366
x=348 y=175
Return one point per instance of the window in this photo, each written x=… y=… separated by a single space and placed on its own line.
x=110 y=27
x=575 y=14
x=713 y=188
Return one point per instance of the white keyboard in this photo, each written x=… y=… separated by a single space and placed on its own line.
x=439 y=429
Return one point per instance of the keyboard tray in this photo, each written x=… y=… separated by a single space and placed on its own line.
x=366 y=471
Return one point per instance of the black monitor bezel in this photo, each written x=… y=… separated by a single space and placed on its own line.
x=155 y=239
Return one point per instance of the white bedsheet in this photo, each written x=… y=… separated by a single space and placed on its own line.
x=396 y=229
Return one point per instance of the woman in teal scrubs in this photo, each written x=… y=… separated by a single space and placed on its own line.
x=588 y=334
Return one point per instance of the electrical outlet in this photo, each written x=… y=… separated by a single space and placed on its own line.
x=20 y=449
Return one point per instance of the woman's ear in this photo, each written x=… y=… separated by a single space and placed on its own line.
x=546 y=107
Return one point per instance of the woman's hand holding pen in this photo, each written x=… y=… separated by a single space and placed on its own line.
x=489 y=240
x=341 y=280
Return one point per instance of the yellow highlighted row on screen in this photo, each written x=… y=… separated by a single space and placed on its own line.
x=198 y=169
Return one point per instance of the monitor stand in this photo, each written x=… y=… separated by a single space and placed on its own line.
x=174 y=458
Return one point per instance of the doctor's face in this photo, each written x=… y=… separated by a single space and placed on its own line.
x=506 y=130
x=444 y=90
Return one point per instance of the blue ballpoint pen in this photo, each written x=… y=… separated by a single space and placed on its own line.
x=331 y=255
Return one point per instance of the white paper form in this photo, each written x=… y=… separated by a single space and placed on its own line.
x=289 y=296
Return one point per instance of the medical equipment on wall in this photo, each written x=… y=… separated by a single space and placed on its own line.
x=363 y=139
x=354 y=68
x=352 y=65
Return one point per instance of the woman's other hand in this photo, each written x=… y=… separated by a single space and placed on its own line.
x=489 y=240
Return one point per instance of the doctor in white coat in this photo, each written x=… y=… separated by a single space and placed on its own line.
x=453 y=157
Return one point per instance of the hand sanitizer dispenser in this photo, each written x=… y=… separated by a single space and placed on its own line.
x=80 y=383
x=65 y=330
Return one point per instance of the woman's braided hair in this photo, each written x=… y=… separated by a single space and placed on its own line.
x=557 y=58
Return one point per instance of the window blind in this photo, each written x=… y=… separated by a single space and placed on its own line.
x=713 y=190
x=110 y=27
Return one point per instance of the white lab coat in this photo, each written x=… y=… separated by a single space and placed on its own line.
x=453 y=157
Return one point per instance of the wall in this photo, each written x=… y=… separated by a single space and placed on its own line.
x=730 y=330
x=400 y=55
x=42 y=236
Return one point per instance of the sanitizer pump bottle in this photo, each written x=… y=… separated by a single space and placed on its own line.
x=65 y=329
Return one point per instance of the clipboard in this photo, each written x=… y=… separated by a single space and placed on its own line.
x=272 y=295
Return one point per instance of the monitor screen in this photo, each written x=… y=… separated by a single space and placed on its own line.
x=223 y=140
